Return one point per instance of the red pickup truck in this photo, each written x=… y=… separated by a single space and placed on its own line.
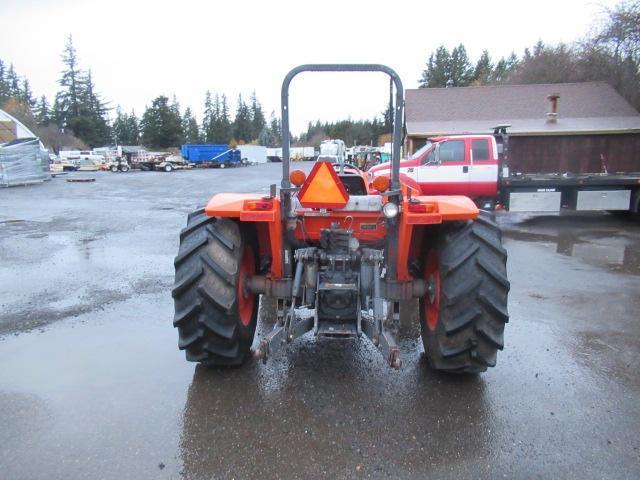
x=477 y=166
x=453 y=165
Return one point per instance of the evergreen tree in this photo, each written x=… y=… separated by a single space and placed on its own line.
x=258 y=121
x=125 y=128
x=70 y=81
x=266 y=137
x=438 y=71
x=226 y=129
x=133 y=129
x=57 y=111
x=209 y=118
x=460 y=70
x=119 y=127
x=387 y=119
x=483 y=72
x=26 y=95
x=242 y=127
x=190 y=127
x=504 y=68
x=4 y=87
x=77 y=106
x=93 y=111
x=161 y=127
x=42 y=112
x=275 y=126
x=13 y=82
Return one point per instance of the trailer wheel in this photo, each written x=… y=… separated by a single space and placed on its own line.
x=214 y=312
x=223 y=165
x=462 y=318
x=168 y=167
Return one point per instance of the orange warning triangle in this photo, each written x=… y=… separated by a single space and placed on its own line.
x=323 y=188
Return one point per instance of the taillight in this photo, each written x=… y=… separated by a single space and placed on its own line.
x=258 y=205
x=415 y=207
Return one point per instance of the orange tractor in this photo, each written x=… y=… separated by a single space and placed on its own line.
x=341 y=244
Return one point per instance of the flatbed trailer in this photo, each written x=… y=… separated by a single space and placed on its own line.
x=552 y=192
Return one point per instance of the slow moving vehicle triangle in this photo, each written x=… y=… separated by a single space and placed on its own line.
x=323 y=188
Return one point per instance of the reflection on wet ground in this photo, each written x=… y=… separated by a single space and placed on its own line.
x=99 y=389
x=598 y=241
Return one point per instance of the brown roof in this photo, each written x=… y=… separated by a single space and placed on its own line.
x=582 y=108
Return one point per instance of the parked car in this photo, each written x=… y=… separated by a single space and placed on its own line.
x=87 y=165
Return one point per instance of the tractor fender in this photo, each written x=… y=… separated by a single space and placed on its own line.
x=263 y=212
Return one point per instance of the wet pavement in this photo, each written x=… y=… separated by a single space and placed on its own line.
x=92 y=384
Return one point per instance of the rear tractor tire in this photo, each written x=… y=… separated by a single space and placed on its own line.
x=463 y=315
x=214 y=312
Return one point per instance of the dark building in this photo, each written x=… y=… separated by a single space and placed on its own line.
x=563 y=127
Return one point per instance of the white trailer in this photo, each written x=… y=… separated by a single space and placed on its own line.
x=253 y=154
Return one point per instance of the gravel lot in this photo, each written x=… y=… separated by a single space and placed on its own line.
x=92 y=384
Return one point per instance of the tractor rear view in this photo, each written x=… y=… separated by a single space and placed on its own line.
x=341 y=244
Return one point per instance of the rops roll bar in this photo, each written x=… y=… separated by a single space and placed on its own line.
x=397 y=122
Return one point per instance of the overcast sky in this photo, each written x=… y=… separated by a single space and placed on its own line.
x=140 y=49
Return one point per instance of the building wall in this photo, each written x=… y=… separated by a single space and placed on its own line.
x=575 y=153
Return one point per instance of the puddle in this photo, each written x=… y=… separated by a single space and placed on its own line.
x=612 y=245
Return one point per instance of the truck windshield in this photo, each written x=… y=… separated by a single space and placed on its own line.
x=421 y=151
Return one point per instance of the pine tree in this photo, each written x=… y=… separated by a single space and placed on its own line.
x=70 y=80
x=208 y=119
x=190 y=127
x=42 y=112
x=504 y=68
x=461 y=71
x=93 y=111
x=119 y=126
x=220 y=130
x=276 y=130
x=125 y=128
x=242 y=127
x=13 y=82
x=161 y=128
x=57 y=111
x=387 y=119
x=438 y=71
x=133 y=129
x=266 y=137
x=4 y=87
x=77 y=106
x=258 y=121
x=175 y=110
x=484 y=69
x=26 y=95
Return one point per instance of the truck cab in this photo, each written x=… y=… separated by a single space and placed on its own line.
x=452 y=165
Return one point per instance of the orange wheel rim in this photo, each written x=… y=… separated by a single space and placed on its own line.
x=246 y=299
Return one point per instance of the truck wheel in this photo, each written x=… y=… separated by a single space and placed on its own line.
x=214 y=313
x=462 y=318
x=168 y=167
x=114 y=168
